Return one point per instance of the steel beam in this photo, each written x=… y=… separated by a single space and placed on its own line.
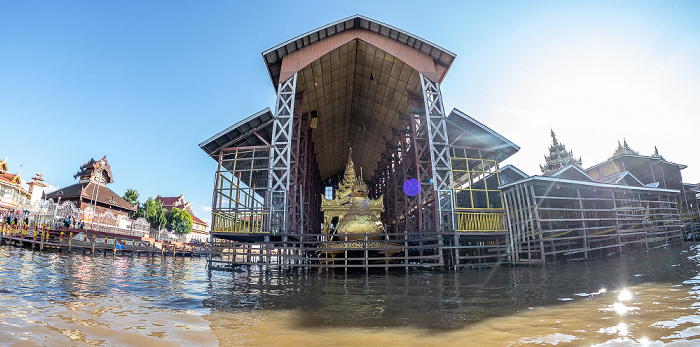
x=439 y=154
x=281 y=153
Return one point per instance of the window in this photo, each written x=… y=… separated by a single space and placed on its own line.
x=475 y=180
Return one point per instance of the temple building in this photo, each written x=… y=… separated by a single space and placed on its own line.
x=12 y=195
x=99 y=206
x=626 y=203
x=199 y=227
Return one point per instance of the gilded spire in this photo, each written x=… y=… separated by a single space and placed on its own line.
x=351 y=184
x=558 y=157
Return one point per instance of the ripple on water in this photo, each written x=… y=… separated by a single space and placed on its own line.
x=53 y=299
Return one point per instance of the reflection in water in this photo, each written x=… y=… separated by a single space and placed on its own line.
x=54 y=299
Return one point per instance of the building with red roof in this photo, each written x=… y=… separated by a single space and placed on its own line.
x=12 y=195
x=199 y=227
x=91 y=190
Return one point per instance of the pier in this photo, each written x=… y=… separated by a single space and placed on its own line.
x=69 y=240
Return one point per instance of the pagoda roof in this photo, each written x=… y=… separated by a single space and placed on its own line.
x=12 y=179
x=85 y=191
x=87 y=169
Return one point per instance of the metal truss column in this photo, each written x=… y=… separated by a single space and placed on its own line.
x=280 y=156
x=439 y=153
x=312 y=200
x=420 y=152
x=297 y=171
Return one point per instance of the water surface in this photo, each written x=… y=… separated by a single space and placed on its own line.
x=647 y=298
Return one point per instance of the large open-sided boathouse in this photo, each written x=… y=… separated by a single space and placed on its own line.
x=360 y=165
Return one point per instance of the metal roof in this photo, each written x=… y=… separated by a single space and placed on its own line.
x=273 y=57
x=638 y=157
x=241 y=133
x=357 y=92
x=554 y=180
x=463 y=130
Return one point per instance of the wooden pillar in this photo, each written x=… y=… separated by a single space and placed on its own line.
x=537 y=226
x=586 y=243
x=617 y=223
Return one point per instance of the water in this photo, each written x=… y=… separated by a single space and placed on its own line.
x=649 y=298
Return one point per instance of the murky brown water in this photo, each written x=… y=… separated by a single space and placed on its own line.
x=52 y=299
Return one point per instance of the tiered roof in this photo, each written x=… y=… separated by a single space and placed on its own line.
x=89 y=170
x=350 y=183
x=38 y=180
x=8 y=178
x=558 y=157
x=624 y=149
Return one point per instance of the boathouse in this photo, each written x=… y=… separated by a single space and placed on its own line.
x=420 y=187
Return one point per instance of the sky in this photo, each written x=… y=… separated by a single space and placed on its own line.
x=144 y=82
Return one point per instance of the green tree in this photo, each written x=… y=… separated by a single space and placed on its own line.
x=132 y=197
x=179 y=221
x=154 y=213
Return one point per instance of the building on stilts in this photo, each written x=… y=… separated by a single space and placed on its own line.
x=629 y=202
x=358 y=164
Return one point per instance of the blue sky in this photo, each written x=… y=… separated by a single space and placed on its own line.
x=145 y=82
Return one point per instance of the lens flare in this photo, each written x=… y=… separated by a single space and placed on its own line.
x=625 y=295
x=411 y=187
x=620 y=308
x=622 y=329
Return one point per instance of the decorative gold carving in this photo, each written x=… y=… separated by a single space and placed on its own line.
x=350 y=191
x=359 y=217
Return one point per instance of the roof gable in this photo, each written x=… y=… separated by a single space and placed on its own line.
x=510 y=174
x=624 y=178
x=571 y=172
x=273 y=57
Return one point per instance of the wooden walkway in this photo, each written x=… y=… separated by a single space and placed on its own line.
x=67 y=240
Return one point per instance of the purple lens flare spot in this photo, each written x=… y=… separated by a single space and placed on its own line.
x=411 y=187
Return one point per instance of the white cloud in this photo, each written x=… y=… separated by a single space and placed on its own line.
x=206 y=208
x=51 y=189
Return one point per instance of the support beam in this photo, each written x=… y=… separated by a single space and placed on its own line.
x=281 y=153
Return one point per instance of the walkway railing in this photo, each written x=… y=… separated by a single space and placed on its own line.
x=240 y=222
x=480 y=222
